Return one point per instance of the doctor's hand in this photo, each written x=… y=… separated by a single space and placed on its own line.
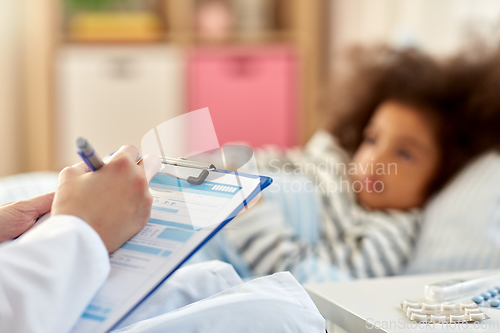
x=114 y=200
x=17 y=217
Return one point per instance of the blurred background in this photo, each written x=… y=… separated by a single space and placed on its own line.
x=111 y=70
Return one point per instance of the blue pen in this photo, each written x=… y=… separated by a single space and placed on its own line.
x=88 y=154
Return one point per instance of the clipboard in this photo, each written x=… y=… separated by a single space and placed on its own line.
x=89 y=323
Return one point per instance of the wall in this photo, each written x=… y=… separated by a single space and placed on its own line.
x=10 y=33
x=438 y=26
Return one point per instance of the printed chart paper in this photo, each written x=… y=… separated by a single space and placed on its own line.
x=183 y=216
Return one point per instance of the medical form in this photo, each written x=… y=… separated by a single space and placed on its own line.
x=183 y=218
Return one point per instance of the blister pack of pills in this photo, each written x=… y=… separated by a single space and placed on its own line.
x=489 y=298
x=446 y=312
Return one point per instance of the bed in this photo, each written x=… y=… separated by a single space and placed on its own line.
x=461 y=229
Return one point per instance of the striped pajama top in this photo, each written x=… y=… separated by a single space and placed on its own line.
x=359 y=241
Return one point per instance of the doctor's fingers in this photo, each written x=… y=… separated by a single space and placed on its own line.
x=124 y=157
x=77 y=169
x=151 y=164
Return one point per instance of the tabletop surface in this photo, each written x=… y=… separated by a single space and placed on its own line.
x=372 y=305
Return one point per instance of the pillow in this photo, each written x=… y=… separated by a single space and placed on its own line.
x=461 y=228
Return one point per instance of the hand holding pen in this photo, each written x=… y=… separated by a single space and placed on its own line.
x=115 y=201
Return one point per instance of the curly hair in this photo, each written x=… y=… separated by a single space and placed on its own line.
x=458 y=93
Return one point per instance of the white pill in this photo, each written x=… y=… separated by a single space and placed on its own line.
x=409 y=311
x=457 y=317
x=476 y=316
x=467 y=305
x=411 y=304
x=429 y=307
x=476 y=310
x=418 y=317
x=438 y=318
x=448 y=306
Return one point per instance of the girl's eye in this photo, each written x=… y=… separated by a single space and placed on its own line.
x=405 y=155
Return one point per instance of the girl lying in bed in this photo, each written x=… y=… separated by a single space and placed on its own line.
x=401 y=128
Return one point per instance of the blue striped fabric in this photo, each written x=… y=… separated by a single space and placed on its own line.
x=297 y=206
x=299 y=211
x=26 y=185
x=462 y=223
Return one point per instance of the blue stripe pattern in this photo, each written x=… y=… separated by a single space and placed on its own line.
x=177 y=235
x=165 y=209
x=172 y=224
x=141 y=248
x=298 y=206
x=93 y=317
x=92 y=307
x=166 y=253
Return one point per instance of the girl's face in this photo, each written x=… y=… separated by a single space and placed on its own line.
x=398 y=158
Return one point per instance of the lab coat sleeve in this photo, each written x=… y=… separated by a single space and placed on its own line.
x=49 y=275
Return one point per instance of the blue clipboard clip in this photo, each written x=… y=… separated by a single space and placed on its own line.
x=205 y=167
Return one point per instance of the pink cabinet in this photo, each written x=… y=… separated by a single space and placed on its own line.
x=251 y=93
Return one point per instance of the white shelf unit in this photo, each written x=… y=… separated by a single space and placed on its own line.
x=113 y=95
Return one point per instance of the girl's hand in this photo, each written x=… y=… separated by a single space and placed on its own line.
x=17 y=217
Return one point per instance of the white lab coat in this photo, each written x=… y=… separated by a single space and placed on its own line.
x=49 y=275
